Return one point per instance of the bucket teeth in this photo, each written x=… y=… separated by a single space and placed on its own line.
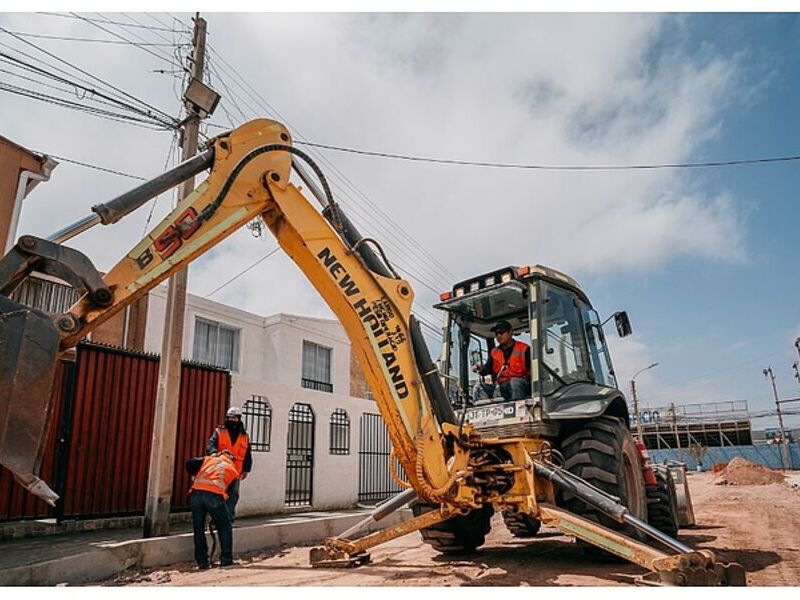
x=330 y=557
x=697 y=575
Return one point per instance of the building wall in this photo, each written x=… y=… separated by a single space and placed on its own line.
x=13 y=160
x=270 y=366
x=359 y=388
x=335 y=477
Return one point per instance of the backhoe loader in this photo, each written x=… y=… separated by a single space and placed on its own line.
x=563 y=456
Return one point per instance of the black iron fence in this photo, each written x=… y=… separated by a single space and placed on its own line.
x=300 y=456
x=375 y=482
x=257 y=418
x=313 y=384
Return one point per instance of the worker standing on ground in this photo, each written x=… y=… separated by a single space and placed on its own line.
x=232 y=436
x=508 y=364
x=212 y=476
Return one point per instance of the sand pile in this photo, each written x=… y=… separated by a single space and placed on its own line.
x=742 y=472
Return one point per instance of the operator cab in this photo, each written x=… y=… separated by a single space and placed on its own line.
x=571 y=373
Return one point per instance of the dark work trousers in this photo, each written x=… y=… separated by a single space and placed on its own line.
x=203 y=503
x=233 y=498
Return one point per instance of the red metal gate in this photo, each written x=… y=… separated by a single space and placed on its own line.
x=106 y=427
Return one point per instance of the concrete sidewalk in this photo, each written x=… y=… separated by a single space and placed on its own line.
x=90 y=556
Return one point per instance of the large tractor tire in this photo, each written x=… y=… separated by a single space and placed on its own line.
x=521 y=525
x=662 y=503
x=458 y=535
x=602 y=451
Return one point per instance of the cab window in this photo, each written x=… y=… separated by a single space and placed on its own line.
x=564 y=354
x=598 y=350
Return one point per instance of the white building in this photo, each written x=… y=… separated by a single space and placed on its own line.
x=287 y=370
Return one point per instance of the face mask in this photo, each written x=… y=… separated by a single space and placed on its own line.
x=233 y=424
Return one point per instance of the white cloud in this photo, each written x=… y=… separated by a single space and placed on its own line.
x=531 y=88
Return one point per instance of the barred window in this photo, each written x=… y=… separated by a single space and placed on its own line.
x=316 y=367
x=215 y=344
x=257 y=419
x=340 y=432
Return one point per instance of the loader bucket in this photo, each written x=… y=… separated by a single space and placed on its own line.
x=29 y=343
x=685 y=508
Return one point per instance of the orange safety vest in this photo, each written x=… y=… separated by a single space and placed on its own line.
x=215 y=475
x=516 y=366
x=239 y=449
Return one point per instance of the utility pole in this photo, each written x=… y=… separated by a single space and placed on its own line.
x=636 y=414
x=784 y=447
x=165 y=427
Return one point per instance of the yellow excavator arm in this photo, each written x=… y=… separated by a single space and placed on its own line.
x=250 y=176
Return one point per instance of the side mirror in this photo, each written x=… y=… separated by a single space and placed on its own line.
x=623 y=324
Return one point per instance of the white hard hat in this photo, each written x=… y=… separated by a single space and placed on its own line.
x=234 y=411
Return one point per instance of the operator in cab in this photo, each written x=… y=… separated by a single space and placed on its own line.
x=508 y=364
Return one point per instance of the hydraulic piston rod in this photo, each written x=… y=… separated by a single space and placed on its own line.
x=382 y=510
x=113 y=210
x=604 y=502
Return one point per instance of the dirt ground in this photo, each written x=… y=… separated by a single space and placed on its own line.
x=757 y=526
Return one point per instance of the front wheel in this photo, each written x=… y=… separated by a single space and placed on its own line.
x=602 y=452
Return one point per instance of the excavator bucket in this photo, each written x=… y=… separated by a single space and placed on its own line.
x=28 y=346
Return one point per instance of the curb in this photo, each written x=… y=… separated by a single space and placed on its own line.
x=110 y=559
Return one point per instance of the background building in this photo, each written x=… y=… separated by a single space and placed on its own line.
x=318 y=440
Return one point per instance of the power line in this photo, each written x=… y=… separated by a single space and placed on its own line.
x=109 y=101
x=38 y=82
x=160 y=56
x=156 y=33
x=425 y=261
x=173 y=146
x=95 y=167
x=498 y=165
x=235 y=277
x=22 y=64
x=45 y=36
x=110 y=22
x=167 y=27
x=93 y=110
x=422 y=321
x=160 y=115
x=730 y=367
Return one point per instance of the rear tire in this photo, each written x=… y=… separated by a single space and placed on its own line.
x=521 y=525
x=662 y=503
x=458 y=535
x=602 y=452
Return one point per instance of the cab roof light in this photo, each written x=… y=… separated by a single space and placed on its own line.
x=459 y=292
x=506 y=277
x=489 y=281
x=524 y=270
x=474 y=286
x=445 y=296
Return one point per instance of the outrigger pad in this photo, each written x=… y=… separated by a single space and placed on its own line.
x=28 y=347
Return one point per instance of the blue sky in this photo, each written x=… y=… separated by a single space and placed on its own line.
x=704 y=260
x=714 y=322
